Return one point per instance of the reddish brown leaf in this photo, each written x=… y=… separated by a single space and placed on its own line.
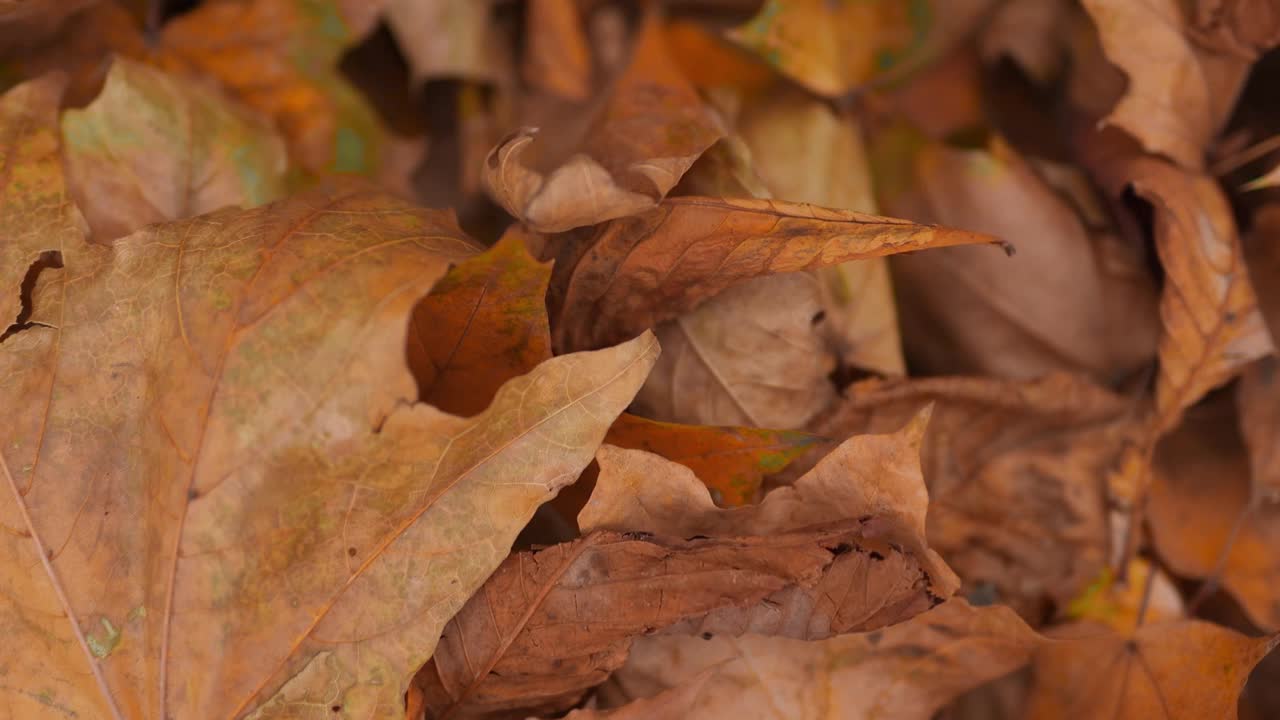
x=550 y=624
x=484 y=323
x=636 y=272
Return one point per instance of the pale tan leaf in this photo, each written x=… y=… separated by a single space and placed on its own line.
x=805 y=152
x=748 y=356
x=907 y=671
x=155 y=147
x=446 y=38
x=1180 y=92
x=1068 y=300
x=227 y=463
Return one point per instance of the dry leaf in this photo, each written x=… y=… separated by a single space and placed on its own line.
x=36 y=222
x=804 y=152
x=1146 y=594
x=1013 y=471
x=154 y=147
x=448 y=39
x=81 y=48
x=1262 y=256
x=907 y=671
x=1258 y=396
x=280 y=58
x=636 y=272
x=484 y=323
x=557 y=59
x=1029 y=32
x=24 y=23
x=751 y=355
x=1212 y=327
x=875 y=478
x=676 y=702
x=730 y=461
x=167 y=420
x=652 y=127
x=836 y=48
x=1068 y=300
x=709 y=61
x=1180 y=92
x=1184 y=670
x=550 y=624
x=1204 y=520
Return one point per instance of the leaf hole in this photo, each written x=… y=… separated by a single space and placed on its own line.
x=47 y=259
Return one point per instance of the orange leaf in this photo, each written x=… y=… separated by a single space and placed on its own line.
x=484 y=323
x=731 y=461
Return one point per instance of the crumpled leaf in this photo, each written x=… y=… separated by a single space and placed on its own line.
x=636 y=272
x=1182 y=670
x=1180 y=91
x=446 y=38
x=1211 y=324
x=155 y=147
x=836 y=48
x=1258 y=396
x=1202 y=506
x=484 y=323
x=748 y=356
x=730 y=461
x=650 y=129
x=280 y=58
x=1006 y=462
x=804 y=152
x=557 y=59
x=1069 y=300
x=876 y=478
x=907 y=671
x=550 y=624
x=165 y=421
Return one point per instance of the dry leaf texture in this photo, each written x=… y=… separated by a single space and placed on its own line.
x=638 y=271
x=550 y=624
x=216 y=470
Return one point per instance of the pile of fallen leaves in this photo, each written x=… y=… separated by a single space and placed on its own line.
x=720 y=359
